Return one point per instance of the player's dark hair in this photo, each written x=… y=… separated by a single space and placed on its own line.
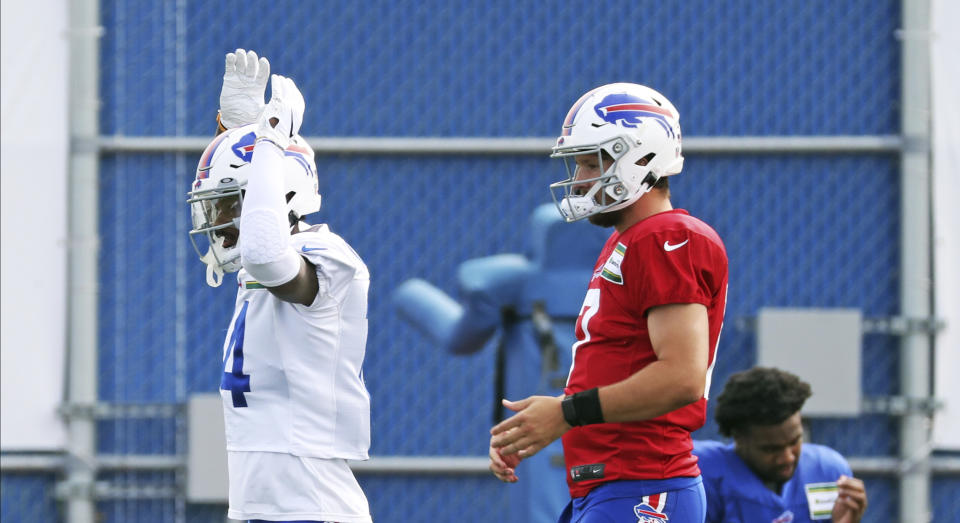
x=759 y=396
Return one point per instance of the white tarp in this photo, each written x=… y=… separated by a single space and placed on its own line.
x=945 y=100
x=34 y=143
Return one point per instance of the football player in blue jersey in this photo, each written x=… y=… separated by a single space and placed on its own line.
x=767 y=474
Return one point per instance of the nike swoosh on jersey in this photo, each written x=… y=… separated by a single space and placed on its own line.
x=308 y=249
x=667 y=247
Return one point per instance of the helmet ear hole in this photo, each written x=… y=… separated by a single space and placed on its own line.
x=645 y=160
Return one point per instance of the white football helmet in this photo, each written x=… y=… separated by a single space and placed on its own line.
x=216 y=197
x=630 y=122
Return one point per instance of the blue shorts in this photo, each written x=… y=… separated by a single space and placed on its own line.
x=675 y=500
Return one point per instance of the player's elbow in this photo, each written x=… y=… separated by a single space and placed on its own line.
x=688 y=391
x=689 y=385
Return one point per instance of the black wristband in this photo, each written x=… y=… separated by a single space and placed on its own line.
x=587 y=405
x=569 y=411
x=582 y=408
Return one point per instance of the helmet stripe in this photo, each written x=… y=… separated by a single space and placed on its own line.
x=639 y=107
x=207 y=155
x=298 y=149
x=301 y=160
x=572 y=114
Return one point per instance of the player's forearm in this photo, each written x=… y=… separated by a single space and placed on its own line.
x=679 y=334
x=657 y=389
x=264 y=231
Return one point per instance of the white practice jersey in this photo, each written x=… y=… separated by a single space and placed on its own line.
x=293 y=379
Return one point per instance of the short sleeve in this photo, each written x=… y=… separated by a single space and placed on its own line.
x=832 y=464
x=668 y=267
x=336 y=262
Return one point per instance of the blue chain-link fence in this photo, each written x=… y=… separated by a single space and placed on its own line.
x=434 y=68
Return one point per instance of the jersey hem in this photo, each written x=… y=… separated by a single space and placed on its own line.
x=585 y=490
x=287 y=516
x=678 y=300
x=356 y=456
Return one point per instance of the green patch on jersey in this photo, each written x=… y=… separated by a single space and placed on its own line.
x=611 y=269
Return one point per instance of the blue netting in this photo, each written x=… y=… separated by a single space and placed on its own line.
x=883 y=503
x=436 y=68
x=946 y=499
x=140 y=510
x=464 y=499
x=25 y=498
x=142 y=223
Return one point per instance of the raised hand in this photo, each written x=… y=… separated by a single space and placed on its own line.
x=244 y=84
x=281 y=118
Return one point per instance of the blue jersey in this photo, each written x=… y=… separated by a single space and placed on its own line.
x=736 y=495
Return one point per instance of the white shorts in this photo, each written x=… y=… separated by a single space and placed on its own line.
x=282 y=487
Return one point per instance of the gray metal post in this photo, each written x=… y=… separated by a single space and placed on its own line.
x=84 y=245
x=915 y=275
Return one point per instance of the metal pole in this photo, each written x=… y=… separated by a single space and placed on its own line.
x=535 y=146
x=179 y=53
x=413 y=465
x=915 y=275
x=85 y=32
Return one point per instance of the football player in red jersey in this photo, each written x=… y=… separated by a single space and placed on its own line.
x=648 y=328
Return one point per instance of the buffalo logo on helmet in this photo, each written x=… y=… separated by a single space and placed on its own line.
x=647 y=514
x=629 y=111
x=243 y=147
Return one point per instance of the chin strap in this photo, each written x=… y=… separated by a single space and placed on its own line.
x=214 y=276
x=214 y=272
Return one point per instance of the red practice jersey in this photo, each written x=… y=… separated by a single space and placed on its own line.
x=670 y=257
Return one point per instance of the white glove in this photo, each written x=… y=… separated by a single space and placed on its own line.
x=281 y=118
x=244 y=83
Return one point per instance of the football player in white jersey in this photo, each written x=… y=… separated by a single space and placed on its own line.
x=294 y=401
